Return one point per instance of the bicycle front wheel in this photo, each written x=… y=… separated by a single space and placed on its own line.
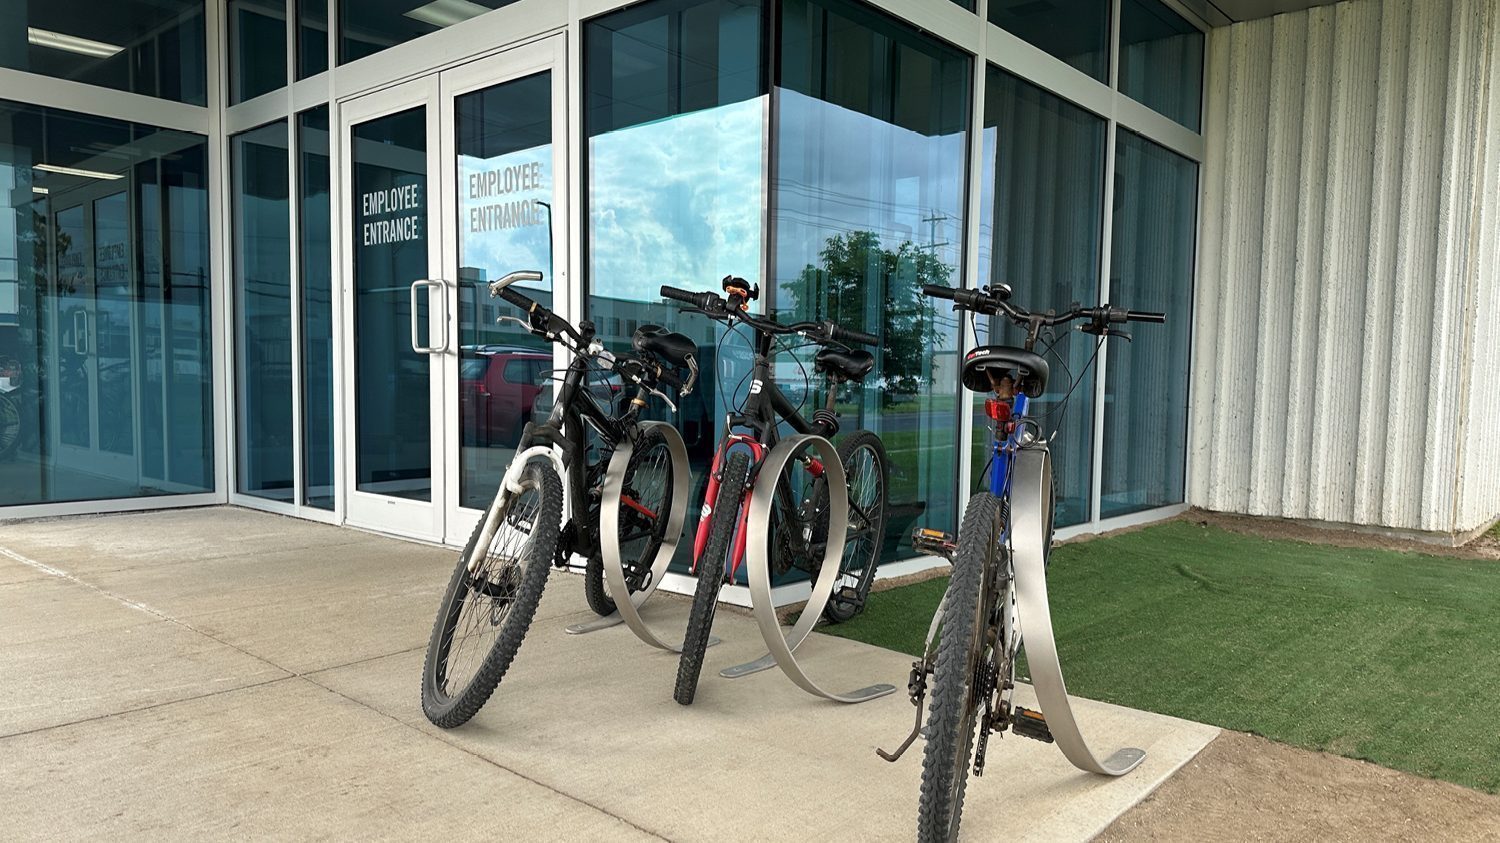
x=716 y=550
x=488 y=605
x=961 y=649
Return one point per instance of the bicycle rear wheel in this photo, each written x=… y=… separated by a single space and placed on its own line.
x=863 y=456
x=647 y=499
x=961 y=649
x=711 y=575
x=485 y=612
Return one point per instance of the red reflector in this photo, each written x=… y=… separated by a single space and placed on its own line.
x=997 y=409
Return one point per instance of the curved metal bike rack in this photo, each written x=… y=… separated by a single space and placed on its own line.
x=1031 y=491
x=627 y=605
x=758 y=568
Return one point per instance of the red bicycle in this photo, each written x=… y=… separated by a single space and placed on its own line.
x=799 y=515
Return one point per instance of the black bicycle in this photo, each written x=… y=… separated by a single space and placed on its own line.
x=799 y=517
x=495 y=589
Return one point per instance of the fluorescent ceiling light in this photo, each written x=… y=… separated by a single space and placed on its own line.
x=74 y=171
x=42 y=190
x=71 y=43
x=442 y=13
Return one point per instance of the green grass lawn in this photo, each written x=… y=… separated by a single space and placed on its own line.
x=1385 y=656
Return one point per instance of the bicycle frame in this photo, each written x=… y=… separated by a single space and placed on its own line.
x=564 y=428
x=1004 y=446
x=764 y=408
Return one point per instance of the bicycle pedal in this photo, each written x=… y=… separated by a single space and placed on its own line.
x=1031 y=724
x=934 y=542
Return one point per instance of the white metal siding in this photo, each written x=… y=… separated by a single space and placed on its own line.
x=1346 y=326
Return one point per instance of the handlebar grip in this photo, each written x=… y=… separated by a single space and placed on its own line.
x=702 y=301
x=517 y=299
x=842 y=334
x=669 y=377
x=938 y=292
x=1145 y=316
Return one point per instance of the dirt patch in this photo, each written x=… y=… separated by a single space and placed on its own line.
x=1242 y=787
x=1486 y=546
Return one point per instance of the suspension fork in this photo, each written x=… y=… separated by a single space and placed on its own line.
x=711 y=495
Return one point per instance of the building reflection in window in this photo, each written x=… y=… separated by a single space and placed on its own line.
x=867 y=207
x=675 y=105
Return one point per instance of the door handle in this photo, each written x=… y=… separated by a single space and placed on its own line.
x=442 y=298
x=80 y=331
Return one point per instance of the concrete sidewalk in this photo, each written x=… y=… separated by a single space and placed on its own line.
x=221 y=673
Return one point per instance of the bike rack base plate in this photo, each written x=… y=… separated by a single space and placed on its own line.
x=765 y=662
x=610 y=622
x=595 y=625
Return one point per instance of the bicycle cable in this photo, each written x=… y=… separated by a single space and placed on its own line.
x=1062 y=406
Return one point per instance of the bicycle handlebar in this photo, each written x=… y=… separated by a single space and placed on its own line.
x=996 y=304
x=516 y=298
x=546 y=323
x=843 y=334
x=715 y=307
x=702 y=301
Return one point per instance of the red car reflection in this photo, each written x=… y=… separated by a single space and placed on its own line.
x=497 y=387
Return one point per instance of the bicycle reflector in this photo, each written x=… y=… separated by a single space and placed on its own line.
x=996 y=409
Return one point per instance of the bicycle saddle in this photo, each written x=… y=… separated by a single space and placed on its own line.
x=852 y=365
x=1000 y=360
x=670 y=346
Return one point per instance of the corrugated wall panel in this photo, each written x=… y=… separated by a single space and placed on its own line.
x=1479 y=463
x=1346 y=316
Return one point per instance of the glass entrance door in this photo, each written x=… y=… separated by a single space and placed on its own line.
x=504 y=175
x=450 y=182
x=395 y=311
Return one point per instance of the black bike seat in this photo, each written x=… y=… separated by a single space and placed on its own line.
x=853 y=364
x=670 y=346
x=1001 y=360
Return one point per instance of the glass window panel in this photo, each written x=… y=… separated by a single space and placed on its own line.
x=1161 y=60
x=368 y=26
x=151 y=47
x=312 y=37
x=393 y=446
x=675 y=104
x=263 y=311
x=1145 y=402
x=867 y=205
x=504 y=146
x=105 y=358
x=257 y=48
x=1076 y=31
x=1040 y=229
x=314 y=250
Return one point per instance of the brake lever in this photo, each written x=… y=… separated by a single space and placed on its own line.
x=516 y=319
x=1105 y=332
x=663 y=396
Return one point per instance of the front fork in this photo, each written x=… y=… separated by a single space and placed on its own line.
x=711 y=495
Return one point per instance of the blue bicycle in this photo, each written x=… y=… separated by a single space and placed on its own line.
x=972 y=643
